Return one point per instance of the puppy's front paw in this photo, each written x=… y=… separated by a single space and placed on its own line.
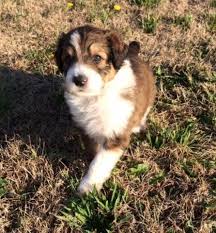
x=86 y=186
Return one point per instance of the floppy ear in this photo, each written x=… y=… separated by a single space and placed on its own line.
x=118 y=49
x=60 y=52
x=134 y=48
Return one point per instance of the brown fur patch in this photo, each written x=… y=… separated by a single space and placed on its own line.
x=145 y=90
x=142 y=96
x=99 y=49
x=110 y=74
x=121 y=141
x=105 y=68
x=119 y=49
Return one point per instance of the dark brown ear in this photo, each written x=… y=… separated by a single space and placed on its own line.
x=118 y=49
x=59 y=53
x=134 y=48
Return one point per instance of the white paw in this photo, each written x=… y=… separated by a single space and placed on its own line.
x=86 y=186
x=139 y=129
x=136 y=129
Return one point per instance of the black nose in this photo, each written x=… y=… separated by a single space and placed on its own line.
x=80 y=80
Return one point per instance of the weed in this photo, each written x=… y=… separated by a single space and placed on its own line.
x=180 y=135
x=213 y=3
x=104 y=14
x=40 y=60
x=212 y=22
x=95 y=211
x=184 y=21
x=139 y=169
x=3 y=187
x=80 y=4
x=146 y=3
x=158 y=178
x=208 y=118
x=169 y=81
x=189 y=227
x=148 y=24
x=208 y=164
x=170 y=230
x=188 y=166
x=211 y=205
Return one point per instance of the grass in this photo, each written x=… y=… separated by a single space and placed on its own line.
x=40 y=60
x=146 y=3
x=213 y=3
x=184 y=21
x=96 y=212
x=139 y=169
x=148 y=24
x=212 y=22
x=3 y=187
x=103 y=16
x=160 y=137
x=165 y=182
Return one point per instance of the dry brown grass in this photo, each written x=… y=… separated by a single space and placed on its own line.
x=169 y=173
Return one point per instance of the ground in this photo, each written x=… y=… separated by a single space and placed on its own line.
x=166 y=180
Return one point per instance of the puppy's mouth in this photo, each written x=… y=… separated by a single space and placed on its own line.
x=81 y=91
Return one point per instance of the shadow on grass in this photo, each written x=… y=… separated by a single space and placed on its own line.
x=32 y=109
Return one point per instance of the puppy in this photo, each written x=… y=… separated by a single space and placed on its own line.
x=109 y=91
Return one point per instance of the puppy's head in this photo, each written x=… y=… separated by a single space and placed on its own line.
x=89 y=58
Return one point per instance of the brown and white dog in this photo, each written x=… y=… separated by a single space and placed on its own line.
x=109 y=91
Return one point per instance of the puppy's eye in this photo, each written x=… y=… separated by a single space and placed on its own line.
x=96 y=59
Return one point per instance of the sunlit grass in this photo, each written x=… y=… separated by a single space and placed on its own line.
x=96 y=211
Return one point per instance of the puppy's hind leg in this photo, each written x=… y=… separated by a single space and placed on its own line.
x=142 y=125
x=144 y=119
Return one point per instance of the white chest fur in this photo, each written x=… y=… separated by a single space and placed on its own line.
x=107 y=114
x=102 y=116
